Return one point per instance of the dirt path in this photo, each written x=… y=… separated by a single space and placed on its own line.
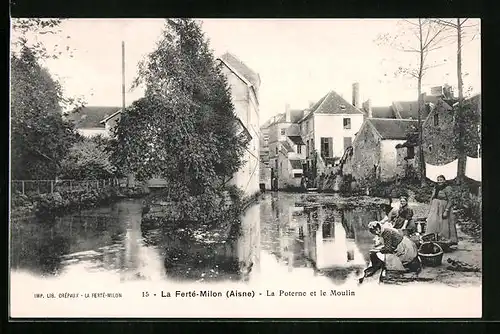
x=469 y=250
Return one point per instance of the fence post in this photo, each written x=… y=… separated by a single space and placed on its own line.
x=22 y=186
x=51 y=186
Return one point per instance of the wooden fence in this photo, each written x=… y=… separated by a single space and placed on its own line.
x=27 y=187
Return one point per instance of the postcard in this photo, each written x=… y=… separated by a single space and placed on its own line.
x=236 y=168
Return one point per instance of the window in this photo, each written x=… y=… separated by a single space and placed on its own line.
x=306 y=124
x=347 y=142
x=430 y=148
x=311 y=150
x=276 y=149
x=436 y=119
x=410 y=152
x=299 y=149
x=307 y=148
x=443 y=147
x=347 y=123
x=327 y=230
x=283 y=131
x=326 y=147
x=297 y=175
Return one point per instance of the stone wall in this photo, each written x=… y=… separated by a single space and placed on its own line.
x=366 y=153
x=439 y=137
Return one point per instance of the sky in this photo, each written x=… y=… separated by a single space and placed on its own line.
x=299 y=61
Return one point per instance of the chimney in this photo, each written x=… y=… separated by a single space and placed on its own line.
x=288 y=118
x=447 y=91
x=367 y=106
x=355 y=95
x=437 y=91
x=422 y=102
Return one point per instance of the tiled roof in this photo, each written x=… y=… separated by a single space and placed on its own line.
x=393 y=128
x=277 y=119
x=90 y=117
x=296 y=115
x=383 y=112
x=293 y=130
x=297 y=140
x=409 y=109
x=242 y=68
x=267 y=123
x=286 y=146
x=296 y=164
x=332 y=103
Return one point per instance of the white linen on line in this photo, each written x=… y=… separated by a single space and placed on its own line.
x=449 y=170
x=473 y=168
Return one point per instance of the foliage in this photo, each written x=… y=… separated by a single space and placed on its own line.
x=40 y=138
x=181 y=130
x=38 y=36
x=28 y=32
x=88 y=158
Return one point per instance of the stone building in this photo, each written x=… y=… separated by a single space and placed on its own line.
x=374 y=150
x=329 y=127
x=286 y=148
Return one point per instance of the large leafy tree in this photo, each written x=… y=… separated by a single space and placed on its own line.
x=184 y=128
x=40 y=138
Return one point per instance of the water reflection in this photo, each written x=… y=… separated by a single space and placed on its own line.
x=333 y=241
x=302 y=238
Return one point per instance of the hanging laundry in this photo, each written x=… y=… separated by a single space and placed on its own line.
x=449 y=170
x=473 y=168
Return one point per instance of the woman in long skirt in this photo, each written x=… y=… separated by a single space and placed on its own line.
x=441 y=219
x=400 y=252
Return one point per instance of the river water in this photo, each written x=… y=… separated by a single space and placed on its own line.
x=294 y=260
x=279 y=235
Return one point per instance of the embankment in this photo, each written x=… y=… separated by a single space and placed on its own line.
x=25 y=206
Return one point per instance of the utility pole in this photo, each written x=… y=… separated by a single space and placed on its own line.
x=123 y=76
x=130 y=177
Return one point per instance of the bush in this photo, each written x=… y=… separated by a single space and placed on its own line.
x=88 y=159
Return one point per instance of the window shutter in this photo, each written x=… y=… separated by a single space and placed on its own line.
x=330 y=147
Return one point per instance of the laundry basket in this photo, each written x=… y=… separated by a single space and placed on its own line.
x=431 y=254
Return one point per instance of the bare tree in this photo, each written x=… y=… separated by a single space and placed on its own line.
x=420 y=37
x=462 y=31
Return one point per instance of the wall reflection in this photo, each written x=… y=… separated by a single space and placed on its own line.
x=333 y=241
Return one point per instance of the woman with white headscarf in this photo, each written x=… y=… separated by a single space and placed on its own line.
x=400 y=252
